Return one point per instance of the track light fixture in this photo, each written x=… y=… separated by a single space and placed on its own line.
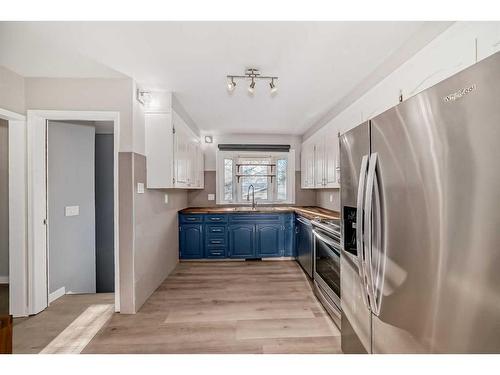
x=252 y=74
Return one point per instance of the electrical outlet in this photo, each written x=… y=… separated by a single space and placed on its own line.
x=166 y=198
x=331 y=197
x=140 y=188
x=211 y=197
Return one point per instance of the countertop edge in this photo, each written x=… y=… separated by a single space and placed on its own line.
x=309 y=212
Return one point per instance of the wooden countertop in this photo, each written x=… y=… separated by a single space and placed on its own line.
x=309 y=212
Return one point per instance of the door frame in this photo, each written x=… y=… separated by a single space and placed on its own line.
x=37 y=251
x=17 y=213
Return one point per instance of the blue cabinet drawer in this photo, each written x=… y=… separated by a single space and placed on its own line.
x=216 y=252
x=216 y=241
x=191 y=218
x=214 y=218
x=216 y=230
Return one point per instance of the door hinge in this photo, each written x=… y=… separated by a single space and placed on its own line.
x=400 y=96
x=173 y=130
x=173 y=180
x=44 y=221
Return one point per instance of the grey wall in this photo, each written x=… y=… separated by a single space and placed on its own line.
x=12 y=94
x=104 y=213
x=199 y=198
x=87 y=94
x=71 y=183
x=4 y=200
x=156 y=234
x=323 y=199
x=148 y=231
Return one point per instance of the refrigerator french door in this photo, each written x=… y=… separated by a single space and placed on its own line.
x=421 y=219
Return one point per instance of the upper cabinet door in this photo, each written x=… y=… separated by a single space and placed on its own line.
x=319 y=162
x=307 y=165
x=331 y=159
x=180 y=157
x=201 y=167
x=159 y=150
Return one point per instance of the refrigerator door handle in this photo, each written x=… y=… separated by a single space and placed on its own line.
x=377 y=247
x=368 y=264
x=360 y=226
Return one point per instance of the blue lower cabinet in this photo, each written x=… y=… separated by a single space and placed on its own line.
x=270 y=240
x=290 y=250
x=191 y=241
x=242 y=241
x=243 y=236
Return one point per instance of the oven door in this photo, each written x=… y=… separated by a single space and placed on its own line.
x=327 y=263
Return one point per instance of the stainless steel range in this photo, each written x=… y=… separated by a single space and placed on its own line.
x=327 y=265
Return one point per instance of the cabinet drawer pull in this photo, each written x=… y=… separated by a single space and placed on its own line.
x=191 y=218
x=215 y=218
x=218 y=230
x=215 y=241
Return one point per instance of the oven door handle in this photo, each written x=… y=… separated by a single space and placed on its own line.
x=327 y=241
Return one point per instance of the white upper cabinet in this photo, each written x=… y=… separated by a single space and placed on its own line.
x=187 y=149
x=320 y=160
x=307 y=165
x=332 y=159
x=159 y=150
x=174 y=157
x=488 y=39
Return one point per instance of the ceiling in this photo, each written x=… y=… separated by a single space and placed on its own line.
x=318 y=63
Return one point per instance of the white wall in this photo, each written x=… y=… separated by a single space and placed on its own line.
x=455 y=49
x=210 y=149
x=12 y=91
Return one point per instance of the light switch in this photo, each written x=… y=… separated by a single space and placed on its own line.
x=166 y=198
x=71 y=210
x=331 y=197
x=140 y=188
x=211 y=197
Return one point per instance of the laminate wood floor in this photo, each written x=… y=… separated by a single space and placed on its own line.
x=33 y=334
x=225 y=307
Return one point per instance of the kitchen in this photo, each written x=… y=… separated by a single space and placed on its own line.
x=263 y=206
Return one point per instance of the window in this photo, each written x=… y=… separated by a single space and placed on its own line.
x=272 y=176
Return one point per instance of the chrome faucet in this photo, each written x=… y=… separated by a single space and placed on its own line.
x=253 y=196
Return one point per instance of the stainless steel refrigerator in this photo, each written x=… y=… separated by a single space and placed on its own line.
x=420 y=197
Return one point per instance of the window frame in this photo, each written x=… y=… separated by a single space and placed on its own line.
x=236 y=191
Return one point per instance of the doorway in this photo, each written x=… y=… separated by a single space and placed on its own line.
x=80 y=207
x=38 y=256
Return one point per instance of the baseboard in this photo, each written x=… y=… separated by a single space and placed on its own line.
x=58 y=293
x=4 y=279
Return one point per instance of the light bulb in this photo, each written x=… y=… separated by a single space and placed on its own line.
x=273 y=86
x=251 y=88
x=231 y=85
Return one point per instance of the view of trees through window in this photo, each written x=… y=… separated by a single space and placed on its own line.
x=268 y=175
